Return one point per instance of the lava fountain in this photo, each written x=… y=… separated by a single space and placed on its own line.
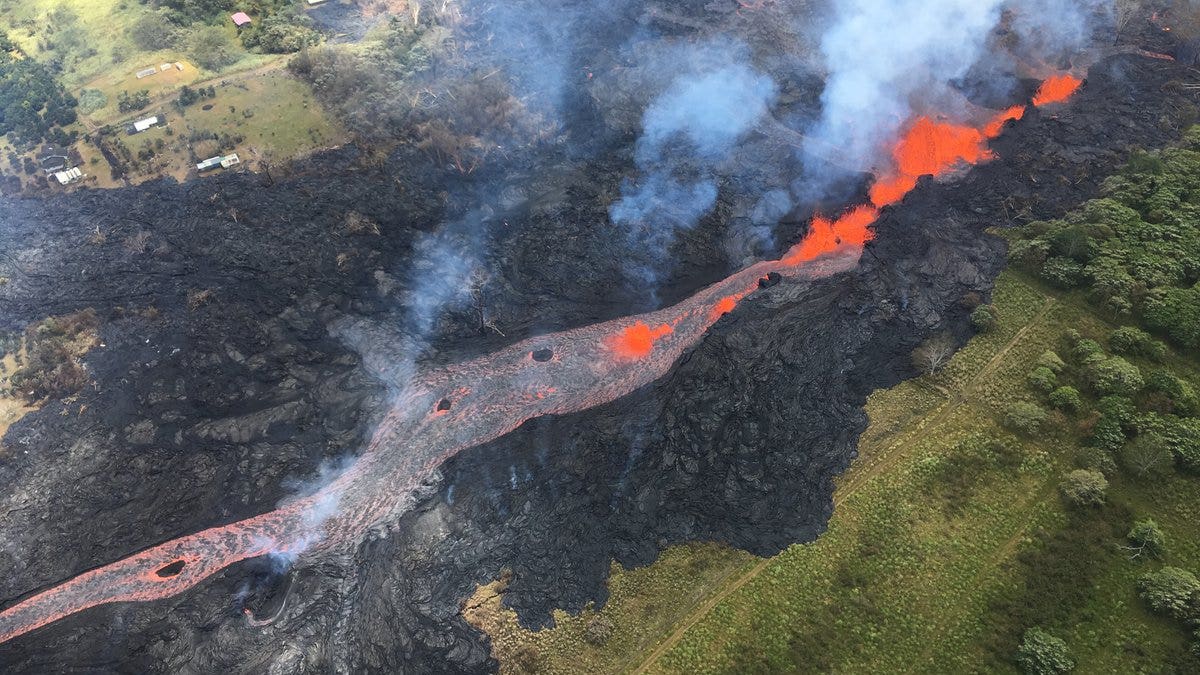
x=449 y=409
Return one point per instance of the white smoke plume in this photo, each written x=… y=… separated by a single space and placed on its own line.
x=889 y=59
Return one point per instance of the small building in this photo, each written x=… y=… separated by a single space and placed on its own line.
x=240 y=19
x=53 y=159
x=179 y=66
x=223 y=161
x=164 y=67
x=69 y=176
x=142 y=125
x=147 y=72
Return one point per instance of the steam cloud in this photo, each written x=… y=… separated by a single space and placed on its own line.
x=884 y=55
x=688 y=130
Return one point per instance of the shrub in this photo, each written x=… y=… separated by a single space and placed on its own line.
x=1146 y=537
x=598 y=631
x=153 y=32
x=1136 y=342
x=1115 y=375
x=1041 y=653
x=1067 y=399
x=1182 y=395
x=1085 y=487
x=1024 y=417
x=1062 y=272
x=1171 y=591
x=1042 y=379
x=1084 y=349
x=210 y=47
x=984 y=318
x=1051 y=360
x=1176 y=312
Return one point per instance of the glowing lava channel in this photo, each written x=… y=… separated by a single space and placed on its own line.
x=450 y=409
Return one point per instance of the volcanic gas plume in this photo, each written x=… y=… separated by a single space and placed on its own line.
x=446 y=410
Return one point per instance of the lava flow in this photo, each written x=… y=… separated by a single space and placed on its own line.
x=446 y=410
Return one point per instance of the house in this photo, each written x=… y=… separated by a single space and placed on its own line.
x=179 y=66
x=164 y=67
x=230 y=160
x=142 y=125
x=240 y=19
x=147 y=72
x=53 y=159
x=69 y=176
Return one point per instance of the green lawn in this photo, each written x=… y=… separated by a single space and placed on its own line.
x=931 y=563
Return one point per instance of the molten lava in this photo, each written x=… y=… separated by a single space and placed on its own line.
x=446 y=410
x=636 y=341
x=1056 y=89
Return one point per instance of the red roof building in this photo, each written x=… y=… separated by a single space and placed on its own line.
x=240 y=19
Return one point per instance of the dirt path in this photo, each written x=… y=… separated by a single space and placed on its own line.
x=890 y=460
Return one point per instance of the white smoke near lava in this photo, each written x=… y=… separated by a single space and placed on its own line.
x=889 y=60
x=715 y=98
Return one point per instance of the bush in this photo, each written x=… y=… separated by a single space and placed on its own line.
x=1062 y=272
x=1041 y=653
x=1052 y=361
x=1085 y=487
x=210 y=47
x=1171 y=591
x=127 y=102
x=1042 y=380
x=1085 y=349
x=1176 y=312
x=1136 y=342
x=1066 y=399
x=153 y=32
x=91 y=100
x=1146 y=537
x=1024 y=417
x=984 y=318
x=1116 y=376
x=598 y=631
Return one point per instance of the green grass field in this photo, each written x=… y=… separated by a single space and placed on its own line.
x=923 y=569
x=257 y=101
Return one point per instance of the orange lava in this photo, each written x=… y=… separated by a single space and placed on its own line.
x=725 y=305
x=1056 y=89
x=637 y=341
x=996 y=125
x=852 y=228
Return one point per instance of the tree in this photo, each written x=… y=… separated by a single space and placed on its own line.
x=1041 y=653
x=1146 y=454
x=1042 y=379
x=1084 y=350
x=1085 y=487
x=1176 y=312
x=153 y=32
x=1146 y=538
x=1136 y=342
x=1066 y=399
x=983 y=318
x=1024 y=417
x=934 y=353
x=1115 y=375
x=211 y=48
x=1171 y=591
x=1062 y=272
